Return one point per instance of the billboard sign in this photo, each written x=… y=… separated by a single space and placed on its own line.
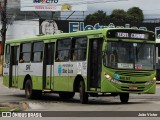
x=53 y=5
x=64 y=26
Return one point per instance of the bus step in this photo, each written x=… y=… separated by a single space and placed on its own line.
x=47 y=90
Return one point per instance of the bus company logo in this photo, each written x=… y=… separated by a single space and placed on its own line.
x=45 y=1
x=59 y=69
x=116 y=76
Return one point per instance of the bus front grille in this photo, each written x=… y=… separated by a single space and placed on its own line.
x=133 y=82
x=133 y=73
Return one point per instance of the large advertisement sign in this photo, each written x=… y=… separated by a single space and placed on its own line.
x=53 y=5
x=59 y=26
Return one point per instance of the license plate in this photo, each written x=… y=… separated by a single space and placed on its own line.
x=133 y=88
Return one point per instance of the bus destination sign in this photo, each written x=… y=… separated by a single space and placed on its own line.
x=131 y=34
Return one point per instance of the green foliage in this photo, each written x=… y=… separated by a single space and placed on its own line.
x=7 y=109
x=98 y=16
x=133 y=14
x=118 y=15
x=4 y=109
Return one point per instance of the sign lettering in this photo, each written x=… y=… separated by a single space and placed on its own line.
x=28 y=67
x=131 y=35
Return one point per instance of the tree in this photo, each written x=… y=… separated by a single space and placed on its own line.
x=118 y=15
x=135 y=14
x=4 y=23
x=98 y=16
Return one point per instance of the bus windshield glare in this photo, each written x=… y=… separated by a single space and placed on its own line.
x=125 y=55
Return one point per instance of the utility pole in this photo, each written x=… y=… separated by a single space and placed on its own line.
x=4 y=22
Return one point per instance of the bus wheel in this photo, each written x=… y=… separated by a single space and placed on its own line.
x=28 y=89
x=66 y=95
x=124 y=97
x=83 y=95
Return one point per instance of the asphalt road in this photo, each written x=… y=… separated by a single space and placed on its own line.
x=52 y=102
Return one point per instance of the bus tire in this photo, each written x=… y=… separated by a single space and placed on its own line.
x=28 y=89
x=30 y=93
x=66 y=95
x=124 y=97
x=83 y=95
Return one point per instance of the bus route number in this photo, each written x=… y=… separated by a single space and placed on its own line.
x=28 y=67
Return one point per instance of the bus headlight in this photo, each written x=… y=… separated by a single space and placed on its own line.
x=111 y=79
x=154 y=78
x=107 y=76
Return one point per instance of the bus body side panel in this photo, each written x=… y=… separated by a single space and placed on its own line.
x=60 y=76
x=34 y=70
x=77 y=68
x=6 y=74
x=65 y=74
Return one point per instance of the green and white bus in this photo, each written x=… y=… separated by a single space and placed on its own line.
x=105 y=62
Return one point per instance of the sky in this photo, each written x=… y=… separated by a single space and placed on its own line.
x=151 y=8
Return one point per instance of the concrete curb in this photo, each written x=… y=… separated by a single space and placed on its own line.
x=157 y=82
x=22 y=106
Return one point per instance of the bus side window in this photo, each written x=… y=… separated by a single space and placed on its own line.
x=79 y=47
x=37 y=51
x=63 y=50
x=58 y=59
x=25 y=52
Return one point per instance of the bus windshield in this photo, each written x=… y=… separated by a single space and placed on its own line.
x=125 y=55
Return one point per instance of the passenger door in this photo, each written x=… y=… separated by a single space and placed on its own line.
x=95 y=62
x=48 y=70
x=13 y=70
